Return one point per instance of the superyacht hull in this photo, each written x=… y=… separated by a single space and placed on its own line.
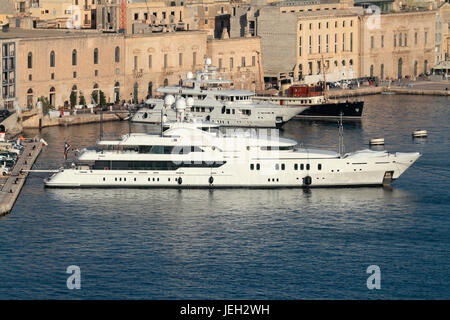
x=336 y=172
x=260 y=117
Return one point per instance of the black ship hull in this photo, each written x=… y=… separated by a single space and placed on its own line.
x=351 y=110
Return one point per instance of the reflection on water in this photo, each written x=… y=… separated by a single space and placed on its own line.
x=242 y=243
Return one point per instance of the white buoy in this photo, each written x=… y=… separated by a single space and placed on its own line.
x=376 y=141
x=419 y=133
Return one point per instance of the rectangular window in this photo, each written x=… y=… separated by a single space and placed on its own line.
x=415 y=38
x=326 y=48
x=135 y=63
x=253 y=61
x=150 y=61
x=242 y=61
x=300 y=46
x=180 y=59
x=220 y=63
x=371 y=42
x=194 y=58
x=382 y=41
x=318 y=44
x=351 y=41
x=231 y=63
x=343 y=42
x=165 y=60
x=335 y=43
x=426 y=37
x=310 y=44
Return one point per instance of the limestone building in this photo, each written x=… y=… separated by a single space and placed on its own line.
x=313 y=33
x=392 y=47
x=54 y=63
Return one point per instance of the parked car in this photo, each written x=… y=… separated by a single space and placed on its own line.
x=4 y=113
x=4 y=170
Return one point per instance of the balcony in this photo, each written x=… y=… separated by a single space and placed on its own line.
x=138 y=74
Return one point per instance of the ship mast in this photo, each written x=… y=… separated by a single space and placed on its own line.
x=324 y=81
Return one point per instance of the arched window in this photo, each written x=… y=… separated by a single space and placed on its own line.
x=95 y=94
x=135 y=93
x=351 y=62
x=30 y=98
x=117 y=54
x=30 y=60
x=95 y=56
x=74 y=57
x=149 y=89
x=117 y=92
x=52 y=96
x=52 y=59
x=74 y=88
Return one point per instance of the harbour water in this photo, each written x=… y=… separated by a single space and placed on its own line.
x=242 y=244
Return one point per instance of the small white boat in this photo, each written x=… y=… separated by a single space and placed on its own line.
x=376 y=141
x=420 y=133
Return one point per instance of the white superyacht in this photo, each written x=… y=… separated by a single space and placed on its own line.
x=185 y=156
x=215 y=101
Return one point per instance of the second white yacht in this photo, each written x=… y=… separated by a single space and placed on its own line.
x=214 y=101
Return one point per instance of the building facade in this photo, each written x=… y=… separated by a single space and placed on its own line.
x=394 y=48
x=238 y=59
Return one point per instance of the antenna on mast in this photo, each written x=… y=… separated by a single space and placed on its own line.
x=101 y=124
x=341 y=137
x=324 y=81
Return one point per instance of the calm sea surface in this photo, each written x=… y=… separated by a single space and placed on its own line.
x=242 y=244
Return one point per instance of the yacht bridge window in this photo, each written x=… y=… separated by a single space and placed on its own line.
x=152 y=165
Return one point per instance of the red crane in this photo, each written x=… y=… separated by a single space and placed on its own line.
x=123 y=16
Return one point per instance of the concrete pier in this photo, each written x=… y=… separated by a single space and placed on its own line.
x=15 y=181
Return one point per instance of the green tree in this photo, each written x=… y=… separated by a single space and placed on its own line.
x=82 y=99
x=45 y=104
x=73 y=99
x=102 y=99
